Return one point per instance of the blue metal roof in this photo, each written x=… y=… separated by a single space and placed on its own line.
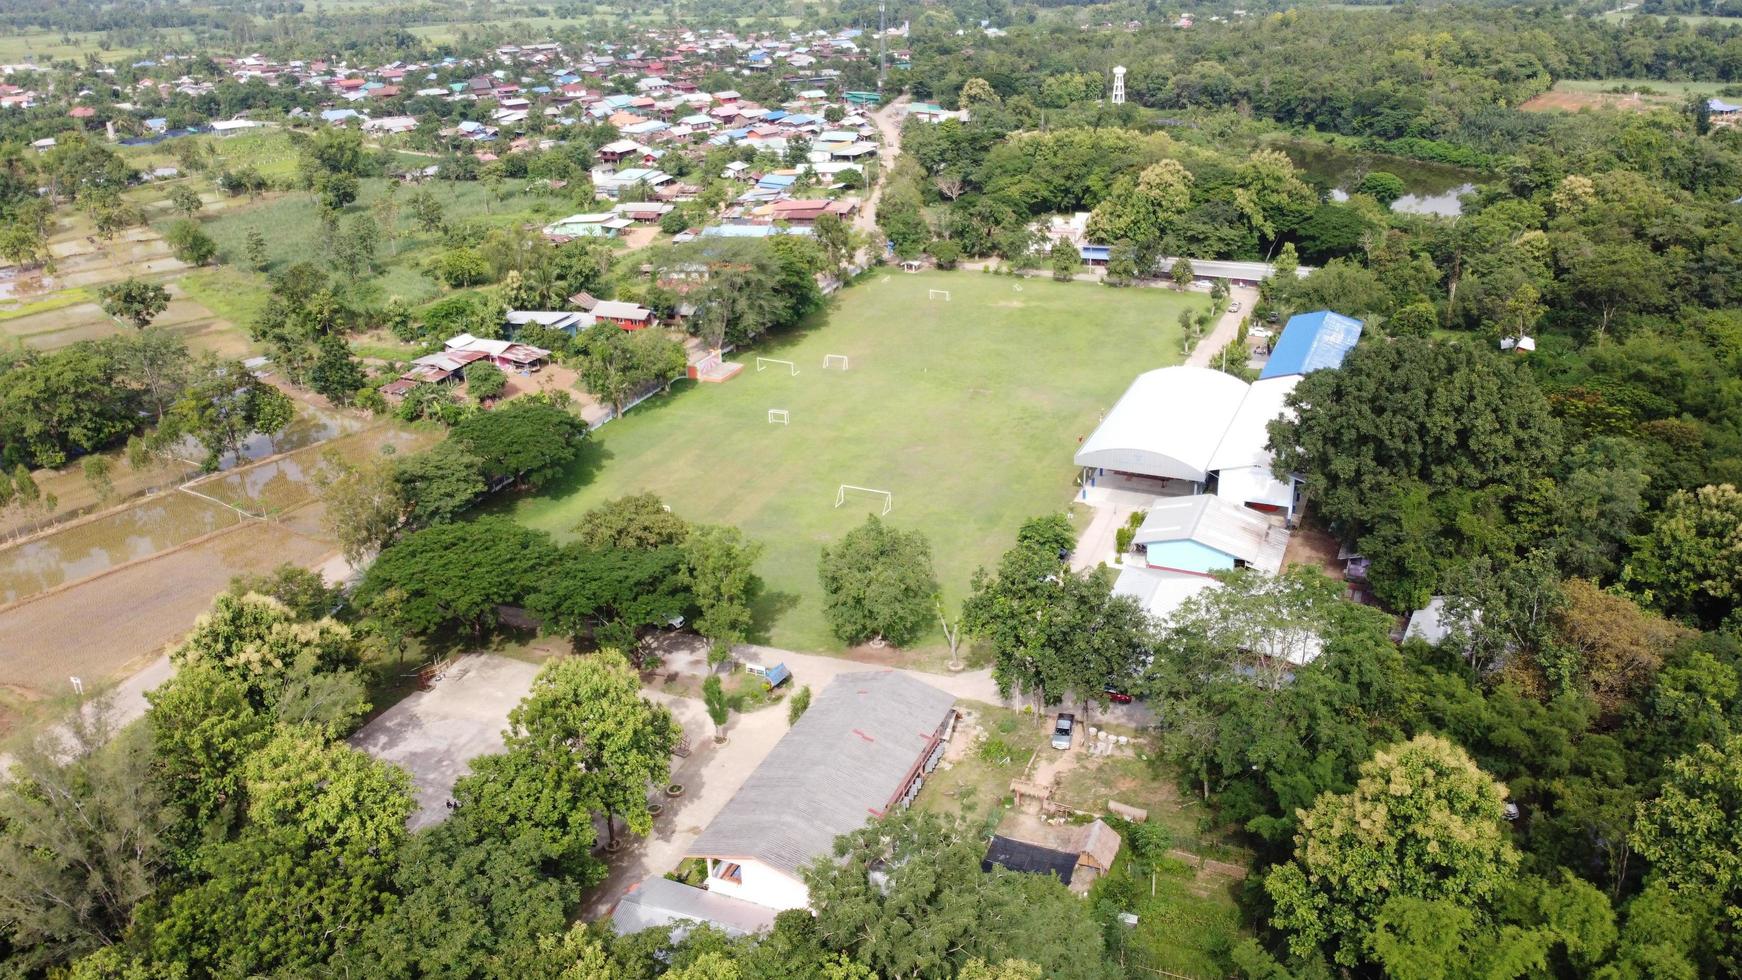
x=777 y=675
x=1311 y=341
x=1095 y=253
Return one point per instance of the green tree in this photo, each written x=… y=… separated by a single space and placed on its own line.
x=1054 y=634
x=719 y=709
x=303 y=591
x=81 y=844
x=1447 y=415
x=1692 y=832
x=485 y=381
x=99 y=477
x=720 y=574
x=636 y=521
x=610 y=594
x=190 y=243
x=134 y=300
x=587 y=736
x=455 y=575
x=362 y=506
x=878 y=582
x=1690 y=562
x=1065 y=261
x=1181 y=272
x=204 y=724
x=1423 y=822
x=905 y=896
x=1143 y=211
x=337 y=374
x=798 y=704
x=439 y=484
x=222 y=405
x=309 y=869
x=185 y=200
x=1381 y=186
x=529 y=440
x=23 y=244
x=257 y=641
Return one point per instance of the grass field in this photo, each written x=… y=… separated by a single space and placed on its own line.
x=968 y=411
x=1640 y=85
x=292 y=227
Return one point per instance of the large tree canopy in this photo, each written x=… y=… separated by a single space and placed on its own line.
x=529 y=440
x=878 y=582
x=1423 y=822
x=1445 y=415
x=455 y=575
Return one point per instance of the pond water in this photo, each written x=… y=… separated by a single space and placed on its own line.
x=96 y=546
x=1429 y=188
x=168 y=520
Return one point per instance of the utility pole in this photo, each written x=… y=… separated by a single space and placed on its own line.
x=882 y=45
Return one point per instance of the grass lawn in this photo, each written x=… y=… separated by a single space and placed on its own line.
x=292 y=228
x=968 y=411
x=1186 y=922
x=1678 y=89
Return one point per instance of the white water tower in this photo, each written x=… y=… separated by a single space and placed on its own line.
x=1118 y=84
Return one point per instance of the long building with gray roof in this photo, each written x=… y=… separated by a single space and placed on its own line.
x=862 y=749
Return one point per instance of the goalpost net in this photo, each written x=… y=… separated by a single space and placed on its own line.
x=778 y=415
x=942 y=294
x=888 y=497
x=763 y=362
x=834 y=360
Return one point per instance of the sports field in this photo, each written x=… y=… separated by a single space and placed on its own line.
x=967 y=411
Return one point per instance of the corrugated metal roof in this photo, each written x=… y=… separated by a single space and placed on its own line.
x=1215 y=523
x=1311 y=341
x=659 y=902
x=838 y=767
x=1168 y=423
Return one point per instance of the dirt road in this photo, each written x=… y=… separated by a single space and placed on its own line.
x=888 y=121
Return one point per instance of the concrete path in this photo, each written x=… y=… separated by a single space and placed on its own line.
x=435 y=734
x=1227 y=328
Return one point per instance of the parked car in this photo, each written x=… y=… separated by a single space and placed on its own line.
x=1062 y=730
x=1118 y=697
x=1234 y=307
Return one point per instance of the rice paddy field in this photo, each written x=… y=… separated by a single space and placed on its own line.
x=966 y=410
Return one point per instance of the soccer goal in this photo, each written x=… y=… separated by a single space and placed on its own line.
x=888 y=498
x=942 y=294
x=778 y=416
x=763 y=362
x=834 y=360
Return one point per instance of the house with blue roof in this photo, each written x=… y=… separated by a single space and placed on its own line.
x=1311 y=341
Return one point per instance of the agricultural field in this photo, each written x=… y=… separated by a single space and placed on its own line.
x=1630 y=94
x=965 y=410
x=294 y=228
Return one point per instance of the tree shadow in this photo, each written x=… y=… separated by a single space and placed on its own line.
x=588 y=461
x=766 y=610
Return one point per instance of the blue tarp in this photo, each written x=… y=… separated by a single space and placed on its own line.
x=1311 y=341
x=776 y=676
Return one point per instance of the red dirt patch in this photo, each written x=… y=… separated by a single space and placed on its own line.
x=1574 y=101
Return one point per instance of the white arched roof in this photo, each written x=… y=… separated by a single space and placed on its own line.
x=1167 y=424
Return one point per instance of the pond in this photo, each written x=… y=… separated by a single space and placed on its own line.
x=1429 y=188
x=169 y=520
